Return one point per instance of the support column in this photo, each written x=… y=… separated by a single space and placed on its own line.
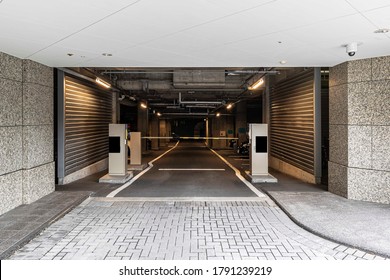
x=359 y=130
x=154 y=131
x=241 y=123
x=143 y=124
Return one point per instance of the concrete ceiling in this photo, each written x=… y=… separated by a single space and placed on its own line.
x=192 y=33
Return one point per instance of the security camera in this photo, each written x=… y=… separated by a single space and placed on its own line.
x=351 y=48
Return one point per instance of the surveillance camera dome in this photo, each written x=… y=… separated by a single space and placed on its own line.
x=351 y=48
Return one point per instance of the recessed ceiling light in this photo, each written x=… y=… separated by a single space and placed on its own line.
x=382 y=30
x=106 y=54
x=283 y=62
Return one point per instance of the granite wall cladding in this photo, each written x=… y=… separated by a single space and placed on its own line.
x=11 y=102
x=10 y=67
x=38 y=182
x=37 y=104
x=338 y=104
x=381 y=148
x=359 y=70
x=359 y=166
x=381 y=92
x=10 y=149
x=359 y=146
x=36 y=73
x=338 y=179
x=380 y=68
x=26 y=131
x=361 y=105
x=37 y=145
x=338 y=140
x=369 y=185
x=11 y=191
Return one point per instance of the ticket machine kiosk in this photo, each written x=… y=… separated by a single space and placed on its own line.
x=258 y=139
x=117 y=155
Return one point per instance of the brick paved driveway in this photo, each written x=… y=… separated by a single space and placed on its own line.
x=121 y=229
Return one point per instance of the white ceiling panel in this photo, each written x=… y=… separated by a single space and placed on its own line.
x=192 y=32
x=364 y=5
x=335 y=32
x=380 y=17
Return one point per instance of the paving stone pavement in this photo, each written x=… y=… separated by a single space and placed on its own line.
x=112 y=229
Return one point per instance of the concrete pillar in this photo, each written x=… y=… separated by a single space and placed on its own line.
x=220 y=128
x=207 y=132
x=359 y=129
x=143 y=124
x=115 y=107
x=154 y=131
x=162 y=132
x=27 y=168
x=241 y=124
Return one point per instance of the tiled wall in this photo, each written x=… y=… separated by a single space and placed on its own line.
x=26 y=131
x=359 y=113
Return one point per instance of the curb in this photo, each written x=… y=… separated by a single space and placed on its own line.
x=332 y=239
x=20 y=243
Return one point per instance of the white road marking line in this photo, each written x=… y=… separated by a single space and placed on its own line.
x=238 y=174
x=182 y=198
x=121 y=188
x=237 y=157
x=190 y=169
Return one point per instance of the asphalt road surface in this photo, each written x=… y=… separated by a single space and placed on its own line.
x=189 y=170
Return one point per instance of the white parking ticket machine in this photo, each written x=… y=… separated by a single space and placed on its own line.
x=258 y=138
x=117 y=151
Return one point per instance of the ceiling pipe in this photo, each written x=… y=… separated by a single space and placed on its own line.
x=198 y=102
x=165 y=85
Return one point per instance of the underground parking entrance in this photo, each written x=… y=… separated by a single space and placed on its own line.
x=212 y=104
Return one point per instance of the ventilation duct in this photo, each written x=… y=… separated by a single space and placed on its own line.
x=199 y=79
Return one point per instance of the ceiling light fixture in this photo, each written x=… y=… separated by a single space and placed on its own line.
x=218 y=114
x=103 y=83
x=158 y=114
x=143 y=105
x=282 y=62
x=229 y=106
x=257 y=84
x=382 y=30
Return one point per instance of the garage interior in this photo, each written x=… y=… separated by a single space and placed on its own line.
x=166 y=103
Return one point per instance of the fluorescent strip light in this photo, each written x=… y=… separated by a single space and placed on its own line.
x=256 y=84
x=102 y=83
